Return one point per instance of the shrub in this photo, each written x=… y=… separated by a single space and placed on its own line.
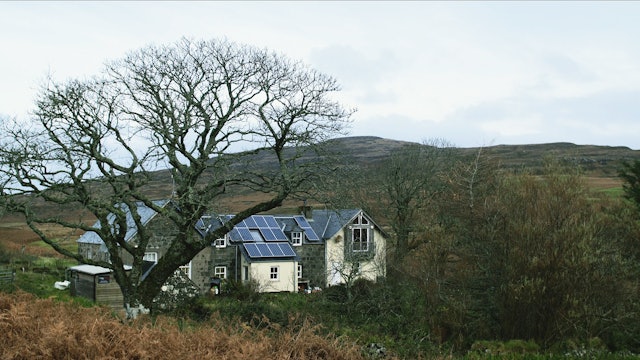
x=42 y=328
x=242 y=290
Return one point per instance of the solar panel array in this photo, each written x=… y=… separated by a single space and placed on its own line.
x=265 y=224
x=269 y=250
x=304 y=225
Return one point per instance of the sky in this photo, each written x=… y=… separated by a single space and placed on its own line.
x=473 y=73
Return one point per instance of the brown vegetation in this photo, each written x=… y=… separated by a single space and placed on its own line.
x=45 y=329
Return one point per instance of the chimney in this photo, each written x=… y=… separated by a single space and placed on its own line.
x=306 y=210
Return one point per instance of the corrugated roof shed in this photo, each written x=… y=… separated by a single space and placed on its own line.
x=93 y=269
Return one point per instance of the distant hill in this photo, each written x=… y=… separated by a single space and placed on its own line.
x=600 y=165
x=595 y=161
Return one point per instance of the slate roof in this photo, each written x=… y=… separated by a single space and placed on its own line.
x=324 y=223
x=292 y=223
x=327 y=223
x=146 y=214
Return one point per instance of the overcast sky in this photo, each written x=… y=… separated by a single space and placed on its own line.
x=473 y=73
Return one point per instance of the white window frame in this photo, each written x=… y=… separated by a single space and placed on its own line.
x=274 y=273
x=220 y=272
x=220 y=243
x=186 y=269
x=296 y=238
x=299 y=271
x=361 y=224
x=363 y=244
x=151 y=256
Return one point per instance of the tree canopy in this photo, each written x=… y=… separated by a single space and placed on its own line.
x=189 y=107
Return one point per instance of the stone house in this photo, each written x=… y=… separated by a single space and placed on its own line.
x=318 y=248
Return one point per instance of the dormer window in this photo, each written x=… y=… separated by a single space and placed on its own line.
x=220 y=243
x=296 y=238
x=204 y=223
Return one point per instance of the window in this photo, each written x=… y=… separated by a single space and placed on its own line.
x=273 y=275
x=360 y=239
x=360 y=234
x=220 y=272
x=296 y=238
x=220 y=243
x=245 y=270
x=299 y=271
x=204 y=223
x=151 y=256
x=186 y=269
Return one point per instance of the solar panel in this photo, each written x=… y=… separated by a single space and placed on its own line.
x=308 y=230
x=252 y=250
x=269 y=250
x=279 y=234
x=302 y=222
x=240 y=234
x=268 y=234
x=287 y=250
x=261 y=222
x=250 y=223
x=276 y=250
x=246 y=234
x=264 y=250
x=271 y=222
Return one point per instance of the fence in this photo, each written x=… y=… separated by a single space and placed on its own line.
x=7 y=276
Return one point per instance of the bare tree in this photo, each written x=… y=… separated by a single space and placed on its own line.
x=92 y=143
x=408 y=180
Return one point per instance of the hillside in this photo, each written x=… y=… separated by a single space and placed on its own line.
x=600 y=165
x=595 y=161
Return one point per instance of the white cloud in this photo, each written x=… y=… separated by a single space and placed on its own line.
x=471 y=72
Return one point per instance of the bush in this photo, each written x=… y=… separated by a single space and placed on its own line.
x=241 y=290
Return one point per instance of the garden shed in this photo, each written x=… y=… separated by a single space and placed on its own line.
x=95 y=283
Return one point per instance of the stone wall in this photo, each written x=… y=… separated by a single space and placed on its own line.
x=200 y=272
x=227 y=256
x=311 y=257
x=93 y=251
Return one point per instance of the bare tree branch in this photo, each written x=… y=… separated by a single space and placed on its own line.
x=92 y=144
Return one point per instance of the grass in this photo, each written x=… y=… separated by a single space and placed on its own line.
x=67 y=244
x=615 y=192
